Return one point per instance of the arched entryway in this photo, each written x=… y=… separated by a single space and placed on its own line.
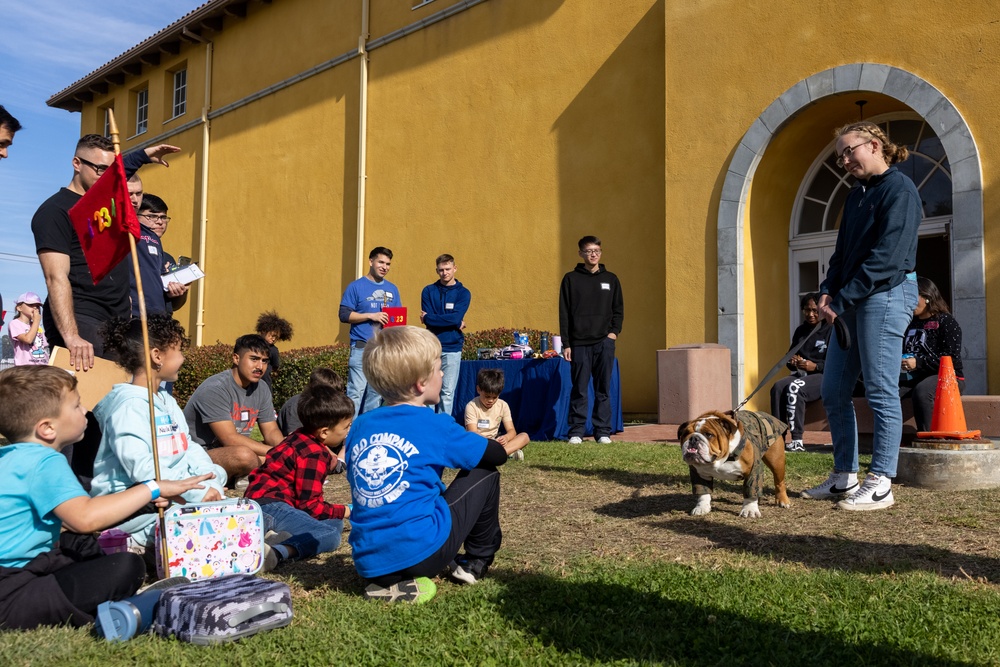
x=966 y=230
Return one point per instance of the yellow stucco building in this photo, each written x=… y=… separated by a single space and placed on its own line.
x=695 y=138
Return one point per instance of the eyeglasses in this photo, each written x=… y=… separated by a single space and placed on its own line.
x=159 y=218
x=98 y=168
x=849 y=152
x=594 y=251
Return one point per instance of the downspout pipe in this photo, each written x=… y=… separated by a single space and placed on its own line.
x=203 y=203
x=362 y=139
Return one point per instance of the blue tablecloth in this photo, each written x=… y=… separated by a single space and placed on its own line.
x=537 y=391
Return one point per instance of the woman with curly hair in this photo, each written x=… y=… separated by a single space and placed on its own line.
x=933 y=333
x=125 y=455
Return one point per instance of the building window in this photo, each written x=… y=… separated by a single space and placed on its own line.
x=141 y=110
x=180 y=93
x=107 y=122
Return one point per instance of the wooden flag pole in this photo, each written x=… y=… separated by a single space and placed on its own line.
x=150 y=389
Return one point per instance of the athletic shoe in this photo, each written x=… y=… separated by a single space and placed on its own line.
x=458 y=574
x=875 y=494
x=795 y=446
x=837 y=485
x=517 y=456
x=270 y=558
x=241 y=484
x=468 y=569
x=273 y=538
x=604 y=440
x=417 y=591
x=576 y=440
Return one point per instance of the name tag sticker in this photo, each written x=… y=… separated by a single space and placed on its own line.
x=483 y=423
x=606 y=286
x=449 y=306
x=244 y=416
x=153 y=250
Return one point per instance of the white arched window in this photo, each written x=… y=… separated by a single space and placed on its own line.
x=819 y=208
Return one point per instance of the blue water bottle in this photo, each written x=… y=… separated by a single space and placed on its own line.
x=907 y=375
x=124 y=619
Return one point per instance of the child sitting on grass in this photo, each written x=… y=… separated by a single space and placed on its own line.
x=48 y=578
x=288 y=486
x=272 y=327
x=485 y=413
x=125 y=455
x=405 y=526
x=288 y=415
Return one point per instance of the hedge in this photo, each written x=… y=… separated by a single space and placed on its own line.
x=297 y=364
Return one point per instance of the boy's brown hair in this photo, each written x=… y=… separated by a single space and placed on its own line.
x=323 y=406
x=321 y=375
x=397 y=358
x=29 y=394
x=490 y=381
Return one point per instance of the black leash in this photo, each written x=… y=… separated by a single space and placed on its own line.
x=843 y=340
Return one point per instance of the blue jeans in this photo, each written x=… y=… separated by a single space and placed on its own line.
x=877 y=325
x=309 y=536
x=357 y=383
x=450 y=364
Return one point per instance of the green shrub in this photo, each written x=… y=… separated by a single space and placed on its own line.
x=296 y=365
x=201 y=363
x=500 y=337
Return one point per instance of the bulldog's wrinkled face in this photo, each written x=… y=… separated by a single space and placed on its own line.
x=708 y=439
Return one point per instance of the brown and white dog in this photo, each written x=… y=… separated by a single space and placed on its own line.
x=734 y=446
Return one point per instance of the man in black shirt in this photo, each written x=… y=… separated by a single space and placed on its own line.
x=591 y=310
x=76 y=308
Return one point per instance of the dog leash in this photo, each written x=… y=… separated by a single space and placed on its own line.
x=843 y=340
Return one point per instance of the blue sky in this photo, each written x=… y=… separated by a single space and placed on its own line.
x=46 y=45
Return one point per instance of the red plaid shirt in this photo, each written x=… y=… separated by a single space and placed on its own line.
x=293 y=473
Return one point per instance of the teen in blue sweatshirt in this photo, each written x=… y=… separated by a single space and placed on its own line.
x=443 y=306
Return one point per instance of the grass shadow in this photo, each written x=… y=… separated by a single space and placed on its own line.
x=611 y=622
x=839 y=553
x=636 y=480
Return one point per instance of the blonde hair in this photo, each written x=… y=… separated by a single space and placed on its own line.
x=397 y=358
x=29 y=394
x=891 y=153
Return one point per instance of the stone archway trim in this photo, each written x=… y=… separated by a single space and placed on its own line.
x=968 y=261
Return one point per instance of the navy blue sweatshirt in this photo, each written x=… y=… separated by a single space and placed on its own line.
x=590 y=306
x=446 y=307
x=877 y=243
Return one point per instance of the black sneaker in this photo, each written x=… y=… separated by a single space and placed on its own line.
x=468 y=570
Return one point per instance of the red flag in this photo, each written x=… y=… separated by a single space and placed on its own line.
x=102 y=218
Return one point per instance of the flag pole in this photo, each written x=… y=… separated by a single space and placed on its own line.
x=150 y=390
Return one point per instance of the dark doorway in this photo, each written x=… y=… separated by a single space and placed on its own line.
x=934 y=262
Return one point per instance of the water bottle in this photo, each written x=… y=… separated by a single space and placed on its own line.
x=907 y=375
x=124 y=619
x=544 y=345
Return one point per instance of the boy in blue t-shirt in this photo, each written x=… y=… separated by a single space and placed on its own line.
x=48 y=577
x=405 y=525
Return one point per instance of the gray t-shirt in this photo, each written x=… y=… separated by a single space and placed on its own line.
x=220 y=398
x=288 y=416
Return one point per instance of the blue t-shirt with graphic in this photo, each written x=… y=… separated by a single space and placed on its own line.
x=365 y=295
x=34 y=480
x=395 y=456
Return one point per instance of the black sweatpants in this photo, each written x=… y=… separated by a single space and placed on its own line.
x=474 y=500
x=597 y=361
x=789 y=397
x=922 y=394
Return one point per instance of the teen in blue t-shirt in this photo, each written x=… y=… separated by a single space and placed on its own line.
x=405 y=525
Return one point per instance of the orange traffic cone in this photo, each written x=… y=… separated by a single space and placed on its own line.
x=949 y=415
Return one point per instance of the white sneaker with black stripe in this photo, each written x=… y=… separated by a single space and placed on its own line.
x=837 y=485
x=875 y=494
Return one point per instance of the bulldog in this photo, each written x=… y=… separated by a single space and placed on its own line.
x=734 y=446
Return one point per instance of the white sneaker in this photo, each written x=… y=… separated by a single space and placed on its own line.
x=875 y=494
x=837 y=485
x=795 y=446
x=576 y=440
x=604 y=440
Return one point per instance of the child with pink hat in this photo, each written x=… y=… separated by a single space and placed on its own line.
x=27 y=334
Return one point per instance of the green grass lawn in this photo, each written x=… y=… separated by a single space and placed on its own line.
x=602 y=565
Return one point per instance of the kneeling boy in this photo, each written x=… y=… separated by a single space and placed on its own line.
x=405 y=526
x=48 y=577
x=289 y=484
x=485 y=413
